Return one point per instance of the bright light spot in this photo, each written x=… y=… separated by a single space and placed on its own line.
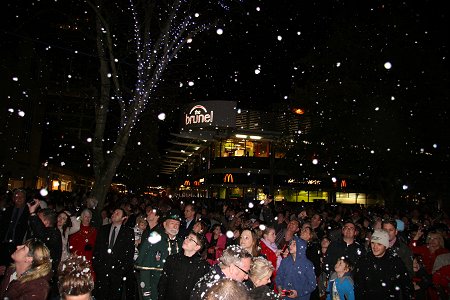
x=372 y=151
x=116 y=60
x=333 y=179
x=250 y=205
x=404 y=187
x=190 y=83
x=154 y=237
x=89 y=140
x=11 y=110
x=189 y=40
x=63 y=164
x=230 y=234
x=377 y=108
x=387 y=65
x=43 y=192
x=21 y=113
x=69 y=76
x=109 y=75
x=162 y=116
x=338 y=64
x=15 y=78
x=392 y=98
x=219 y=31
x=262 y=227
x=196 y=15
x=298 y=33
x=315 y=161
x=434 y=146
x=279 y=37
x=181 y=84
x=109 y=251
x=257 y=71
x=139 y=143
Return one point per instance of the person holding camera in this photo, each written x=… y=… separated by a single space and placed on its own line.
x=295 y=276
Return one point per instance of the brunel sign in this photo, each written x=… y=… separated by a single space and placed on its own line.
x=199 y=115
x=207 y=114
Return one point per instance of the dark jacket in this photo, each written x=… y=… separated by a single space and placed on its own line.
x=202 y=286
x=339 y=249
x=51 y=237
x=16 y=235
x=404 y=252
x=15 y=290
x=383 y=277
x=112 y=265
x=179 y=275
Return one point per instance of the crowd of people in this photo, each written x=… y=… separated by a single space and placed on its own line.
x=62 y=246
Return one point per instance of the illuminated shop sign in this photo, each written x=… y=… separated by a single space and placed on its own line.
x=206 y=114
x=187 y=183
x=309 y=182
x=228 y=178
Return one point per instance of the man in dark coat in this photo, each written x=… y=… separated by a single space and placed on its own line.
x=181 y=271
x=113 y=259
x=188 y=222
x=380 y=275
x=42 y=226
x=346 y=247
x=13 y=226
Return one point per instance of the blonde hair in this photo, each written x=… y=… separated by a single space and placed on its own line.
x=260 y=268
x=41 y=265
x=438 y=236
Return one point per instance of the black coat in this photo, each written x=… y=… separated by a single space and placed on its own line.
x=202 y=286
x=111 y=266
x=339 y=249
x=9 y=246
x=179 y=276
x=383 y=277
x=185 y=231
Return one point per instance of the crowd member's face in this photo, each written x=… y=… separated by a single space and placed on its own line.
x=151 y=215
x=62 y=218
x=172 y=226
x=433 y=241
x=21 y=255
x=240 y=272
x=86 y=296
x=270 y=236
x=217 y=230
x=349 y=230
x=19 y=199
x=197 y=227
x=392 y=232
x=293 y=247
x=142 y=225
x=246 y=240
x=190 y=243
x=293 y=226
x=315 y=220
x=189 y=212
x=325 y=243
x=86 y=219
x=377 y=249
x=340 y=267
x=263 y=281
x=117 y=216
x=305 y=234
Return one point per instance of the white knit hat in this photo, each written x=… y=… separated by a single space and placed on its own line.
x=381 y=237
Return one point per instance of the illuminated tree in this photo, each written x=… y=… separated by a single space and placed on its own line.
x=166 y=27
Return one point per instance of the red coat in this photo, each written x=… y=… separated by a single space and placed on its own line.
x=441 y=278
x=82 y=242
x=15 y=290
x=427 y=257
x=272 y=257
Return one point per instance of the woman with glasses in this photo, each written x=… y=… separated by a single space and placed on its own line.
x=28 y=277
x=181 y=271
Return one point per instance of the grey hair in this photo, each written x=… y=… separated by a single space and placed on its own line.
x=86 y=210
x=233 y=254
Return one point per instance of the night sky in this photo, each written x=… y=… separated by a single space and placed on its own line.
x=373 y=75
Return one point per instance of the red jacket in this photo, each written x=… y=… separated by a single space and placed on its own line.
x=15 y=290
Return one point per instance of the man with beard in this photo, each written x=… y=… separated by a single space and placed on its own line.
x=153 y=253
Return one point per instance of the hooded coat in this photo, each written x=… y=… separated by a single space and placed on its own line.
x=297 y=274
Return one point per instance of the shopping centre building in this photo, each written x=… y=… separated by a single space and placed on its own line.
x=227 y=153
